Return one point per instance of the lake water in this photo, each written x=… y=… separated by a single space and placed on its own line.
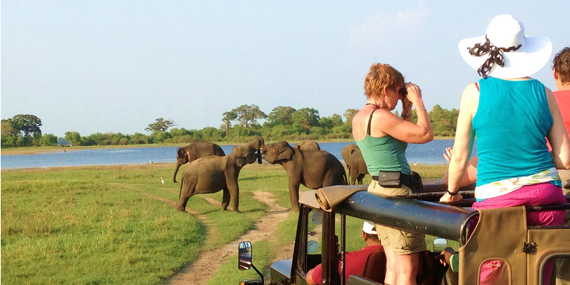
x=430 y=153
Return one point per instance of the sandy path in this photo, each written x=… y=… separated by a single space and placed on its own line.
x=207 y=263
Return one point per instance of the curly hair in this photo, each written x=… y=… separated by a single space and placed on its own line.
x=561 y=64
x=380 y=76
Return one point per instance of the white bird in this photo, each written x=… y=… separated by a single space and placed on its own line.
x=161 y=179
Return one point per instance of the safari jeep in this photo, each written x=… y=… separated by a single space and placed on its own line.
x=499 y=234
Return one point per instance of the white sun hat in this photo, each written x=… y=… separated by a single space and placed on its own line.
x=504 y=34
x=368 y=227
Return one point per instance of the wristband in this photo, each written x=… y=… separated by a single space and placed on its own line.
x=452 y=194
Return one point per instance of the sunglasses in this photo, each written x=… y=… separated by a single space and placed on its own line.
x=403 y=91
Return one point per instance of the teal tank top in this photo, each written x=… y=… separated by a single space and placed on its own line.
x=385 y=153
x=511 y=124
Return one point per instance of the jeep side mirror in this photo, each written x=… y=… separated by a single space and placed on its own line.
x=245 y=263
x=244 y=259
x=439 y=244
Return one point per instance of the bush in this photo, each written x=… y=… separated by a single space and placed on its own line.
x=338 y=136
x=48 y=140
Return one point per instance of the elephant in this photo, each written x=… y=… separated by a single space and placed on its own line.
x=358 y=168
x=257 y=143
x=211 y=174
x=345 y=153
x=312 y=168
x=308 y=145
x=354 y=163
x=194 y=151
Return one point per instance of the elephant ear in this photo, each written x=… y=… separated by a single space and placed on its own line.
x=191 y=155
x=286 y=153
x=180 y=153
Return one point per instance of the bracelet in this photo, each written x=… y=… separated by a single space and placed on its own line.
x=421 y=109
x=452 y=194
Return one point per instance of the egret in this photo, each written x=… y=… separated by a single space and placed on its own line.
x=161 y=179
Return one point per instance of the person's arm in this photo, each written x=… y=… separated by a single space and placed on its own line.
x=403 y=130
x=470 y=176
x=450 y=258
x=463 y=144
x=557 y=136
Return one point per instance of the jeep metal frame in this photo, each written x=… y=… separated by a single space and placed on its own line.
x=440 y=220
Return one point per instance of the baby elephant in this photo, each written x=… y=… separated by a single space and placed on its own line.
x=194 y=151
x=354 y=163
x=308 y=145
x=312 y=168
x=214 y=173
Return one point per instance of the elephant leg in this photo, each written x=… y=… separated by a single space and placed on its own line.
x=360 y=178
x=225 y=199
x=232 y=193
x=234 y=197
x=353 y=178
x=187 y=190
x=294 y=193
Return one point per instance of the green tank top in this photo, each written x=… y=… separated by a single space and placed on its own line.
x=385 y=153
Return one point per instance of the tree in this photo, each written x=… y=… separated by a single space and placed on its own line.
x=349 y=114
x=337 y=120
x=7 y=127
x=330 y=122
x=9 y=134
x=73 y=137
x=281 y=115
x=161 y=125
x=306 y=118
x=443 y=121
x=227 y=119
x=48 y=139
x=248 y=115
x=27 y=124
x=139 y=138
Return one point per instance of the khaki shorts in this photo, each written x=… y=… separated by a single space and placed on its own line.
x=401 y=242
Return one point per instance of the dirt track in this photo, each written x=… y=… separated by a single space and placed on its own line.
x=204 y=267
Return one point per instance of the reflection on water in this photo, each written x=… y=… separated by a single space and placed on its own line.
x=429 y=153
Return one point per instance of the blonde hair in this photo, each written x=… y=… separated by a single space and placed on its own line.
x=380 y=76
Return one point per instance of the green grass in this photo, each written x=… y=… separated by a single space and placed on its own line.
x=104 y=225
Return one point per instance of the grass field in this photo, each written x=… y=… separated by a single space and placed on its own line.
x=111 y=225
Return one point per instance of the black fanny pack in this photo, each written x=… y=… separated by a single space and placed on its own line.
x=395 y=179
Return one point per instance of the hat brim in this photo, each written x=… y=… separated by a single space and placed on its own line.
x=526 y=61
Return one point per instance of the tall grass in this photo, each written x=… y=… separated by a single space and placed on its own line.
x=107 y=225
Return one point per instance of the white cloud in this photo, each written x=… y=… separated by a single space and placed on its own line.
x=384 y=28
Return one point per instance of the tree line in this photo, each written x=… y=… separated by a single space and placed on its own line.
x=238 y=126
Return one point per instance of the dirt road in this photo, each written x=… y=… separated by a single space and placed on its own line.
x=207 y=263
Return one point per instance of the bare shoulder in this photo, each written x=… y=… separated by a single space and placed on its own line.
x=470 y=99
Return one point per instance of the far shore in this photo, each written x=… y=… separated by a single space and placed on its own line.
x=58 y=149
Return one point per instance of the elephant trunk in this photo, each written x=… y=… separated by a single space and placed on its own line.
x=178 y=163
x=180 y=192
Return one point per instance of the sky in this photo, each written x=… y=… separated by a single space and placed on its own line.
x=116 y=66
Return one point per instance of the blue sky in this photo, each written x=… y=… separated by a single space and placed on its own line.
x=116 y=66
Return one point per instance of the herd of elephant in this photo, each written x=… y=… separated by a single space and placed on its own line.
x=210 y=170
